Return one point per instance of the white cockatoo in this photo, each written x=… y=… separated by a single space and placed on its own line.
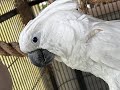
x=82 y=42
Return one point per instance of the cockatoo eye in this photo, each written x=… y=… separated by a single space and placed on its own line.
x=35 y=39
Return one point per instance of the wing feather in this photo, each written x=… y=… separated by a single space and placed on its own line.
x=105 y=46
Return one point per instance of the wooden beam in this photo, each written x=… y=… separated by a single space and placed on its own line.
x=8 y=15
x=13 y=12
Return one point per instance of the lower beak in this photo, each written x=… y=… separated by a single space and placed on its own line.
x=41 y=57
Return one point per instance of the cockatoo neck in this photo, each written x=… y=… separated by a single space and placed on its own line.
x=86 y=29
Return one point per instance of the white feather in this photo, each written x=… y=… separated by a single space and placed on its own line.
x=80 y=41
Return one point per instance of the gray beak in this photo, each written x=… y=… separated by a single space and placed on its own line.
x=41 y=57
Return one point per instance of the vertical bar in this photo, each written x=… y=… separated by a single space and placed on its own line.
x=56 y=72
x=105 y=12
x=81 y=81
x=87 y=78
x=65 y=76
x=62 y=80
x=52 y=77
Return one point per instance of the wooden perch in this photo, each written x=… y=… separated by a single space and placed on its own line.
x=10 y=49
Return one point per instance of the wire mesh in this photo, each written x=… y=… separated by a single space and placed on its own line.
x=94 y=83
x=65 y=77
x=6 y=6
x=38 y=7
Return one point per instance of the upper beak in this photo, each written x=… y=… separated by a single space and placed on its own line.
x=41 y=57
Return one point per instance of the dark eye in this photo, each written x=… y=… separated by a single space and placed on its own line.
x=35 y=39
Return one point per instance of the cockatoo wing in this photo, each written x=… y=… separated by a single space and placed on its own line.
x=105 y=45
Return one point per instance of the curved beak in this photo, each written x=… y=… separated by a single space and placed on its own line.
x=41 y=57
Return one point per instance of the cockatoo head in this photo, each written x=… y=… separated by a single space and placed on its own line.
x=35 y=39
x=30 y=39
